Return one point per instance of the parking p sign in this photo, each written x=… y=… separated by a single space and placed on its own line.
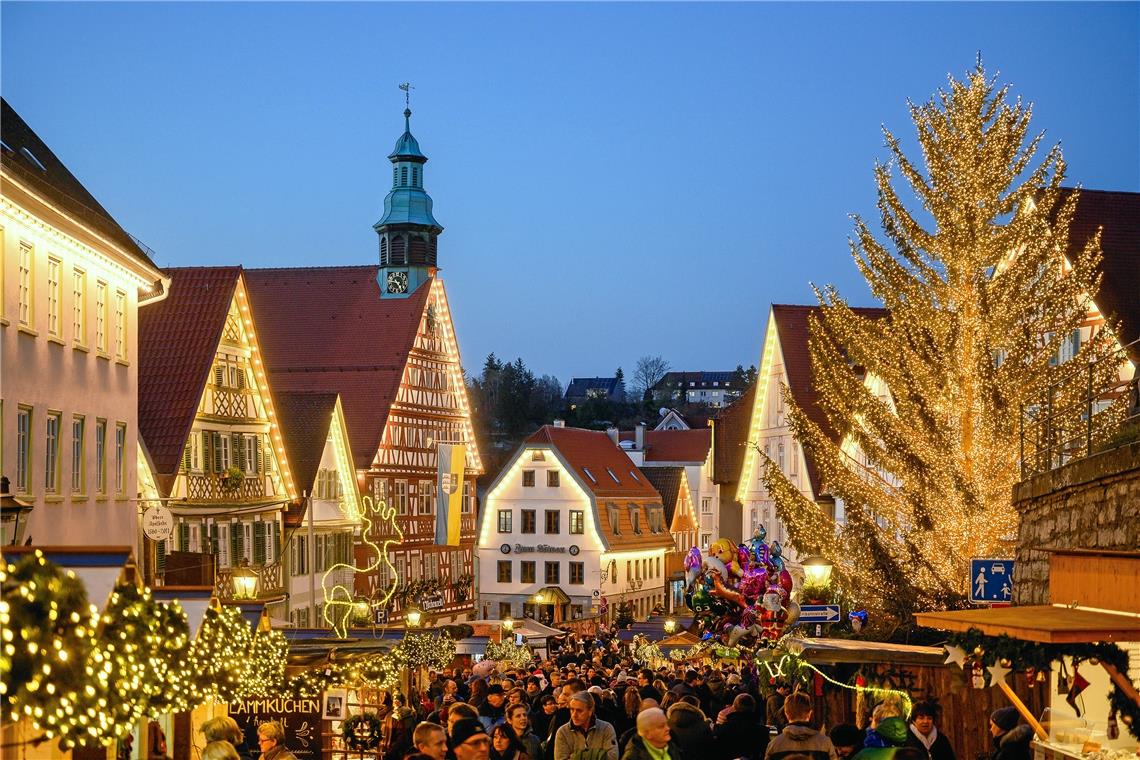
x=991 y=581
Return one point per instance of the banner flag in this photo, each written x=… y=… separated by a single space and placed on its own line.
x=449 y=481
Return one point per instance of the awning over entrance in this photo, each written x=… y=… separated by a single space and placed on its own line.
x=551 y=595
x=1048 y=624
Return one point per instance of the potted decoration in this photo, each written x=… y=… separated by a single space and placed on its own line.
x=232 y=478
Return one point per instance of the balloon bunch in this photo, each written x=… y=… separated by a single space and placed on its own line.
x=740 y=593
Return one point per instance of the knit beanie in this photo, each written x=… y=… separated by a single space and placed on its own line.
x=464 y=729
x=1004 y=718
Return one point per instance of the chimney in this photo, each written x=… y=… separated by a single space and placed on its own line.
x=560 y=423
x=639 y=434
x=612 y=432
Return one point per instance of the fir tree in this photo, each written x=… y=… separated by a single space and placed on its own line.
x=979 y=303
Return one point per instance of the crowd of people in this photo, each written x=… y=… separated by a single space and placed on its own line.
x=600 y=707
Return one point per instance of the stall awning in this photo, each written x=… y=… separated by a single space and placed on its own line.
x=856 y=651
x=551 y=595
x=1047 y=624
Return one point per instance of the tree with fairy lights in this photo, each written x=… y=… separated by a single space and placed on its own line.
x=980 y=303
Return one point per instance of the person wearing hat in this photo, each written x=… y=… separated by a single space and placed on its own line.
x=585 y=737
x=469 y=740
x=1011 y=741
x=493 y=711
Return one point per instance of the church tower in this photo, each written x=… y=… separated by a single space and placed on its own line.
x=407 y=231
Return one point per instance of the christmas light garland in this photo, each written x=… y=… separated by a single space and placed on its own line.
x=218 y=655
x=265 y=668
x=362 y=732
x=509 y=653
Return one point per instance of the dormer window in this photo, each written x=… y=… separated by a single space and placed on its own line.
x=612 y=515
x=537 y=456
x=635 y=518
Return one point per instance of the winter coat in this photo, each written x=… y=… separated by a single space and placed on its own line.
x=801 y=739
x=774 y=710
x=743 y=734
x=598 y=738
x=690 y=729
x=1013 y=744
x=636 y=750
x=939 y=750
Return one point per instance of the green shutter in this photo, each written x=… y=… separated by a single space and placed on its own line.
x=235 y=543
x=159 y=557
x=259 y=452
x=259 y=543
x=186 y=457
x=214 y=538
x=276 y=540
x=183 y=536
x=206 y=456
x=216 y=447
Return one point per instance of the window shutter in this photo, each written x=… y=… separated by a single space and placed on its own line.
x=206 y=456
x=259 y=543
x=219 y=375
x=183 y=536
x=276 y=540
x=241 y=377
x=235 y=543
x=216 y=447
x=260 y=453
x=186 y=457
x=238 y=449
x=214 y=538
x=204 y=537
x=159 y=557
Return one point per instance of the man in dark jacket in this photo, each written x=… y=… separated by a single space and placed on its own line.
x=645 y=685
x=743 y=733
x=652 y=741
x=798 y=736
x=924 y=735
x=1011 y=741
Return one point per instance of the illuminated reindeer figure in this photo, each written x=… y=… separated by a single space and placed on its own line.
x=339 y=605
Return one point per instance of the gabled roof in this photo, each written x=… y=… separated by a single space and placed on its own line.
x=677 y=445
x=30 y=161
x=730 y=432
x=668 y=482
x=593 y=451
x=579 y=386
x=327 y=329
x=791 y=323
x=178 y=340
x=305 y=419
x=1119 y=214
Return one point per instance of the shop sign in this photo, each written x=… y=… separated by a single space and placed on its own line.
x=158 y=523
x=540 y=549
x=301 y=719
x=431 y=602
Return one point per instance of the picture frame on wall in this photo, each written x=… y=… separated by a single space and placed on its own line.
x=334 y=704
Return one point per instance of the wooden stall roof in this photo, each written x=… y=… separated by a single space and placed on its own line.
x=858 y=651
x=1048 y=624
x=682 y=639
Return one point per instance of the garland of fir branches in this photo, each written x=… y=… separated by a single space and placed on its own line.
x=358 y=743
x=1019 y=655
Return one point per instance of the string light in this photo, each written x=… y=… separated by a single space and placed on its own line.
x=265 y=668
x=340 y=603
x=927 y=399
x=509 y=653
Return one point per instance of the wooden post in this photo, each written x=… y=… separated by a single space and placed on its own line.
x=1121 y=682
x=1021 y=708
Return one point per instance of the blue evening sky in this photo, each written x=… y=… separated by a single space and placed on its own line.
x=615 y=179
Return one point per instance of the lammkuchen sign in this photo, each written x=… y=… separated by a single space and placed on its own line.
x=301 y=719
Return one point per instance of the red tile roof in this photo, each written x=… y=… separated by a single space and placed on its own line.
x=304 y=419
x=677 y=445
x=792 y=324
x=667 y=482
x=178 y=340
x=1119 y=214
x=327 y=329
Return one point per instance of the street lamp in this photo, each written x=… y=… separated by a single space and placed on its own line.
x=670 y=625
x=245 y=581
x=360 y=611
x=413 y=617
x=508 y=625
x=817 y=570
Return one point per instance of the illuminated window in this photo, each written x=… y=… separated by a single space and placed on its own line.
x=537 y=456
x=577 y=522
x=527 y=571
x=400 y=496
x=552 y=478
x=120 y=458
x=505 y=519
x=23 y=448
x=529 y=521
x=26 y=283
x=468 y=499
x=79 y=307
x=51 y=453
x=101 y=317
x=78 y=475
x=504 y=571
x=427 y=497
x=528 y=479
x=54 y=296
x=101 y=456
x=577 y=573
x=120 y=325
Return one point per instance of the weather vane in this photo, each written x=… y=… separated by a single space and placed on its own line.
x=407 y=88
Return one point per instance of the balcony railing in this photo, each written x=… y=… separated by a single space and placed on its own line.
x=211 y=487
x=269 y=581
x=232 y=403
x=1080 y=412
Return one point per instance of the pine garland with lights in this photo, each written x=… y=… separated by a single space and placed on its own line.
x=978 y=303
x=265 y=669
x=509 y=653
x=46 y=626
x=423 y=650
x=169 y=661
x=379 y=671
x=218 y=655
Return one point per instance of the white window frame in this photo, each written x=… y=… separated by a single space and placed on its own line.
x=101 y=316
x=54 y=296
x=101 y=456
x=52 y=426
x=120 y=325
x=120 y=458
x=79 y=306
x=23 y=449
x=78 y=460
x=26 y=285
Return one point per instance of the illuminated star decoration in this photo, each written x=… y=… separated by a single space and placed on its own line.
x=956 y=655
x=998 y=672
x=339 y=603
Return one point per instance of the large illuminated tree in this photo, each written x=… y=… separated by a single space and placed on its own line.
x=980 y=301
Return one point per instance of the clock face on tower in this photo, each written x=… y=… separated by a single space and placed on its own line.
x=397 y=282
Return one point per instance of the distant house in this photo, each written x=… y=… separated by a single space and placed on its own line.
x=582 y=389
x=712 y=388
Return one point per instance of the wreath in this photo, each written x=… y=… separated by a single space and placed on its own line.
x=362 y=732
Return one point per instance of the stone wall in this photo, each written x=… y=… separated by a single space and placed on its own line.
x=1092 y=503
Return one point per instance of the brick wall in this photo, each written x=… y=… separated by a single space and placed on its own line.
x=1092 y=503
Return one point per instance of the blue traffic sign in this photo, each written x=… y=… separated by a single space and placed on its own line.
x=991 y=581
x=819 y=613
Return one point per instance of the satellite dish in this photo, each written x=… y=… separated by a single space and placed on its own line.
x=662 y=411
